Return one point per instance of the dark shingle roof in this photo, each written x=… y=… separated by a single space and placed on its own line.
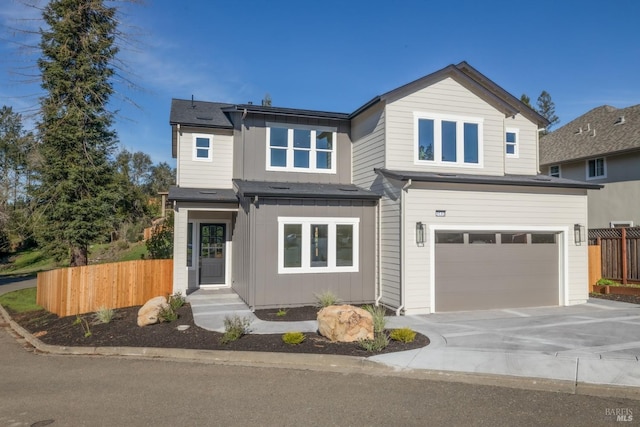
x=199 y=113
x=280 y=111
x=214 y=195
x=518 y=180
x=302 y=190
x=599 y=132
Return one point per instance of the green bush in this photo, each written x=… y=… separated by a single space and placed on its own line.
x=104 y=315
x=377 y=312
x=167 y=314
x=607 y=282
x=176 y=301
x=403 y=335
x=377 y=344
x=234 y=328
x=281 y=313
x=326 y=298
x=293 y=338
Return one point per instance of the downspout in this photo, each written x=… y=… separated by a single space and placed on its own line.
x=405 y=188
x=379 y=272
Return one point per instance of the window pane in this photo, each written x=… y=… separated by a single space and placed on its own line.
x=202 y=153
x=482 y=238
x=425 y=139
x=202 y=142
x=301 y=138
x=471 y=143
x=323 y=160
x=511 y=149
x=319 y=245
x=324 y=140
x=278 y=157
x=554 y=171
x=543 y=238
x=301 y=159
x=511 y=137
x=278 y=137
x=448 y=141
x=449 y=237
x=508 y=238
x=292 y=245
x=190 y=244
x=344 y=245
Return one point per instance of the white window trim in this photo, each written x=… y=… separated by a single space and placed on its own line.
x=312 y=151
x=516 y=151
x=437 y=136
x=559 y=170
x=621 y=224
x=209 y=157
x=331 y=246
x=604 y=169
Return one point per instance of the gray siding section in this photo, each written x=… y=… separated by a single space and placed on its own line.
x=368 y=135
x=390 y=242
x=280 y=290
x=242 y=258
x=251 y=150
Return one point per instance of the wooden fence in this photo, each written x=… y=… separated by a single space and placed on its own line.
x=77 y=290
x=619 y=252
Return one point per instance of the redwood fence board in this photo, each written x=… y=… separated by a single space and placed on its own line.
x=78 y=290
x=620 y=252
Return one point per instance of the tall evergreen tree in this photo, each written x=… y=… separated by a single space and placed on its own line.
x=547 y=109
x=76 y=178
x=526 y=100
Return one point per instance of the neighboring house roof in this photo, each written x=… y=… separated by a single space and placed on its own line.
x=602 y=131
x=199 y=113
x=473 y=80
x=519 y=180
x=302 y=190
x=213 y=195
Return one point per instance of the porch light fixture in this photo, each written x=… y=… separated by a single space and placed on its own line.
x=578 y=234
x=420 y=236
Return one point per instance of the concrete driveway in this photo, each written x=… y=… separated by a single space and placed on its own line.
x=597 y=342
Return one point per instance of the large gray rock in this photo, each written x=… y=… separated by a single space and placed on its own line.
x=345 y=323
x=148 y=313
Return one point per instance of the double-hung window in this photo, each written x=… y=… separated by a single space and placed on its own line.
x=596 y=168
x=202 y=147
x=301 y=148
x=511 y=142
x=318 y=245
x=448 y=140
x=554 y=171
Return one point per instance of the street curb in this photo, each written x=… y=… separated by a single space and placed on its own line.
x=327 y=363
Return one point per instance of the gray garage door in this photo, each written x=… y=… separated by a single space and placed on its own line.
x=486 y=270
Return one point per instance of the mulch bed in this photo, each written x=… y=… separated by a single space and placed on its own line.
x=123 y=331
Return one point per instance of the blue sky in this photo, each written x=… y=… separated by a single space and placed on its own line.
x=336 y=55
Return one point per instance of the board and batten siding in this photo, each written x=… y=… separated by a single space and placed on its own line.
x=251 y=151
x=526 y=161
x=216 y=173
x=492 y=208
x=445 y=97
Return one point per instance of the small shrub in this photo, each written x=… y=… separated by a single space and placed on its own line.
x=378 y=343
x=176 y=301
x=281 y=313
x=122 y=245
x=234 y=328
x=606 y=282
x=403 y=335
x=293 y=338
x=326 y=298
x=104 y=315
x=377 y=312
x=84 y=324
x=167 y=314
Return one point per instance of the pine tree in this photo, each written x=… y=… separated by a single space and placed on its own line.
x=524 y=98
x=547 y=109
x=76 y=178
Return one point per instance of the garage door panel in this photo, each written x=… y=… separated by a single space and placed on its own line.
x=486 y=276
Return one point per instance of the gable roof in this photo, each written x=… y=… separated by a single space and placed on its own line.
x=602 y=131
x=474 y=81
x=199 y=113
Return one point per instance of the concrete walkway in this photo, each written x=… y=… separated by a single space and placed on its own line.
x=595 y=343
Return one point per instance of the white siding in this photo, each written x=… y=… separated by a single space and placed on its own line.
x=526 y=163
x=493 y=208
x=201 y=174
x=180 y=270
x=446 y=97
x=368 y=136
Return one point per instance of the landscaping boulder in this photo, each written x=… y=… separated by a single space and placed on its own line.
x=345 y=323
x=148 y=313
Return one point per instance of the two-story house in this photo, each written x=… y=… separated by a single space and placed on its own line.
x=603 y=147
x=427 y=198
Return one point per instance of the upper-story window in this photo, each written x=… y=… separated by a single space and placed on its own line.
x=202 y=147
x=596 y=168
x=511 y=142
x=448 y=140
x=554 y=171
x=301 y=148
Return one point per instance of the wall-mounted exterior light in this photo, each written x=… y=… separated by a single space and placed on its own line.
x=420 y=234
x=578 y=234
